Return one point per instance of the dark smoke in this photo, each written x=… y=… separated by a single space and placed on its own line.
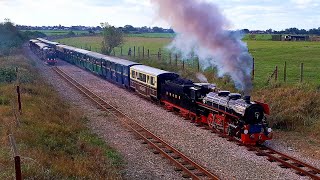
x=202 y=29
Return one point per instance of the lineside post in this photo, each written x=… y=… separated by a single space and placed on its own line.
x=301 y=72
x=176 y=59
x=253 y=68
x=198 y=64
x=183 y=65
x=134 y=51
x=18 y=91
x=121 y=50
x=17 y=160
x=148 y=54
x=170 y=58
x=285 y=71
x=143 y=52
x=276 y=74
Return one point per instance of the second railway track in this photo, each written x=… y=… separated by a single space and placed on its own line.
x=190 y=168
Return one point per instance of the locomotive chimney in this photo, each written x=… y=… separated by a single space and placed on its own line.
x=247 y=99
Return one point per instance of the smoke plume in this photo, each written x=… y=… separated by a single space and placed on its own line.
x=202 y=30
x=202 y=78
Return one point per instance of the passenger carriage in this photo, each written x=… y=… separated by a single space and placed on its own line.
x=117 y=70
x=94 y=62
x=49 y=43
x=147 y=80
x=80 y=57
x=65 y=52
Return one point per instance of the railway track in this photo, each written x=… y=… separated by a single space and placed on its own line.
x=182 y=163
x=284 y=161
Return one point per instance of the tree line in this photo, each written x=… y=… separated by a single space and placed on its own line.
x=11 y=38
x=293 y=31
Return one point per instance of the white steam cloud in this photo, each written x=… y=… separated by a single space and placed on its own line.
x=201 y=29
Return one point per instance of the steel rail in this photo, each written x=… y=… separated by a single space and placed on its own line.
x=182 y=162
x=301 y=167
x=276 y=156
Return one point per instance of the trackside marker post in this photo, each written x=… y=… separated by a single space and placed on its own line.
x=17 y=160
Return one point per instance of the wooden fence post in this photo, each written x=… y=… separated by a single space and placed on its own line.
x=253 y=68
x=143 y=52
x=276 y=74
x=301 y=73
x=170 y=58
x=121 y=51
x=139 y=51
x=18 y=91
x=148 y=54
x=17 y=161
x=134 y=51
x=285 y=72
x=182 y=65
x=114 y=52
x=198 y=64
x=176 y=59
x=158 y=55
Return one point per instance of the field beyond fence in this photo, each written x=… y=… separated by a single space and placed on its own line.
x=267 y=56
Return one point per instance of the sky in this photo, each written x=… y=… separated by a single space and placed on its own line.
x=250 y=14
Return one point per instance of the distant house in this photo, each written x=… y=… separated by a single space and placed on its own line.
x=315 y=38
x=295 y=38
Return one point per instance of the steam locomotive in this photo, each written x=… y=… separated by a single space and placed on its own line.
x=204 y=103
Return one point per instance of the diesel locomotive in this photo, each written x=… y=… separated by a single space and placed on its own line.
x=229 y=113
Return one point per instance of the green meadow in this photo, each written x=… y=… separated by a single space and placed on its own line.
x=267 y=55
x=59 y=32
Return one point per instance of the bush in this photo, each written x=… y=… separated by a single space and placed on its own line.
x=7 y=75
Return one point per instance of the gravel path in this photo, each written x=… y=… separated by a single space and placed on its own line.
x=223 y=158
x=140 y=162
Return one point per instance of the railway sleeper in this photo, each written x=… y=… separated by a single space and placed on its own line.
x=185 y=175
x=168 y=151
x=271 y=160
x=175 y=156
x=284 y=166
x=297 y=164
x=300 y=173
x=284 y=158
x=190 y=167
x=313 y=172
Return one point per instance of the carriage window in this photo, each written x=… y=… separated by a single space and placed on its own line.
x=133 y=74
x=144 y=78
x=152 y=81
x=148 y=78
x=125 y=70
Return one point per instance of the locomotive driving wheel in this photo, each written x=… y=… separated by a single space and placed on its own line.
x=210 y=120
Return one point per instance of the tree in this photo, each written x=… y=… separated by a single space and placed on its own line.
x=71 y=33
x=10 y=37
x=112 y=37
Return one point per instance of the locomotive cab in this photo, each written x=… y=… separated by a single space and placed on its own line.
x=200 y=90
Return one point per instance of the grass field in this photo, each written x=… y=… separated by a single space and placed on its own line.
x=267 y=54
x=59 y=32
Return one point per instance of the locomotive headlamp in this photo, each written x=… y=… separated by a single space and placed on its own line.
x=245 y=131
x=269 y=130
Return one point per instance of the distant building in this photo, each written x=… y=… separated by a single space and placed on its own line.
x=295 y=38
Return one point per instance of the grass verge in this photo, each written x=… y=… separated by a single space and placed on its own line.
x=53 y=140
